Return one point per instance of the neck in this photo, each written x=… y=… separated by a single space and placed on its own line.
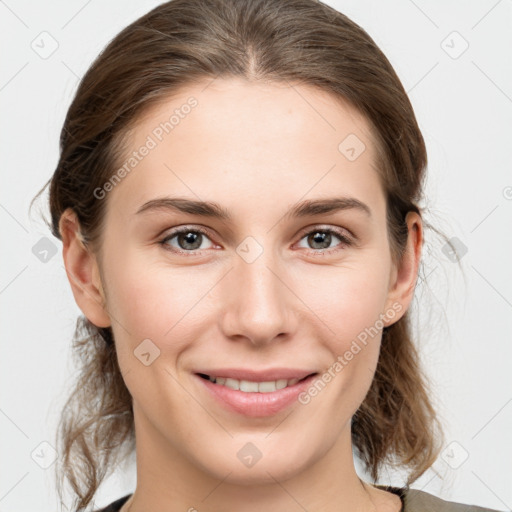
x=168 y=481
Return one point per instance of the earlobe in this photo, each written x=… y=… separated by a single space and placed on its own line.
x=82 y=271
x=403 y=281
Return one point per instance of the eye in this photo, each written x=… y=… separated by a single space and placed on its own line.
x=320 y=239
x=187 y=240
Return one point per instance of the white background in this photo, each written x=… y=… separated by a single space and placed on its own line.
x=464 y=108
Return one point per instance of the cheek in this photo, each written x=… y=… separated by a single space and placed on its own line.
x=353 y=310
x=352 y=307
x=158 y=302
x=350 y=298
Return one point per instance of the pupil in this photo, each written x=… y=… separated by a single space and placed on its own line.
x=190 y=240
x=324 y=239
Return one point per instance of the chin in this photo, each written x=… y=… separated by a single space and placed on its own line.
x=258 y=461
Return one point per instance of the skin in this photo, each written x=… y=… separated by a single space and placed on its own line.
x=256 y=149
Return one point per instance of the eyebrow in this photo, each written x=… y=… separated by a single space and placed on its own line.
x=213 y=210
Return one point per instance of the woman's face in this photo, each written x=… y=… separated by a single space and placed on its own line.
x=255 y=290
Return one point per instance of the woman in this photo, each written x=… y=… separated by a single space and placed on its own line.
x=237 y=196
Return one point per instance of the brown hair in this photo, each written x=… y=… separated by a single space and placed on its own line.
x=183 y=42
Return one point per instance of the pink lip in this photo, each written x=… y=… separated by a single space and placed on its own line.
x=255 y=404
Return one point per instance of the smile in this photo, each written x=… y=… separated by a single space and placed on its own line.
x=248 y=386
x=253 y=398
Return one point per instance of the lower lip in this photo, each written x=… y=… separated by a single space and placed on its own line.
x=256 y=404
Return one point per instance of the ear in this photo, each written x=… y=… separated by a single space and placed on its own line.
x=82 y=271
x=403 y=277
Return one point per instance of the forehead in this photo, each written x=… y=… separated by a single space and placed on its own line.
x=232 y=140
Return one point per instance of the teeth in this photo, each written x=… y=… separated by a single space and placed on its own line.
x=249 y=387
x=253 y=387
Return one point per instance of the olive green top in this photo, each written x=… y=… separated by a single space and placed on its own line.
x=413 y=500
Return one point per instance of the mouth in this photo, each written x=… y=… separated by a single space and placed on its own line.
x=249 y=386
x=254 y=398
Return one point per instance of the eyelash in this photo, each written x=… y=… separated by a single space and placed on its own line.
x=345 y=240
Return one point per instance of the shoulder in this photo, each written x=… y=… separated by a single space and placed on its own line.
x=421 y=501
x=115 y=506
x=414 y=501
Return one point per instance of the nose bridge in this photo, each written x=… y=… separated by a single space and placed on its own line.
x=258 y=304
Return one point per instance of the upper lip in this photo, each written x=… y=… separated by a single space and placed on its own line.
x=270 y=374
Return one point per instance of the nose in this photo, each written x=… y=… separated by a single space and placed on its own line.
x=258 y=304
